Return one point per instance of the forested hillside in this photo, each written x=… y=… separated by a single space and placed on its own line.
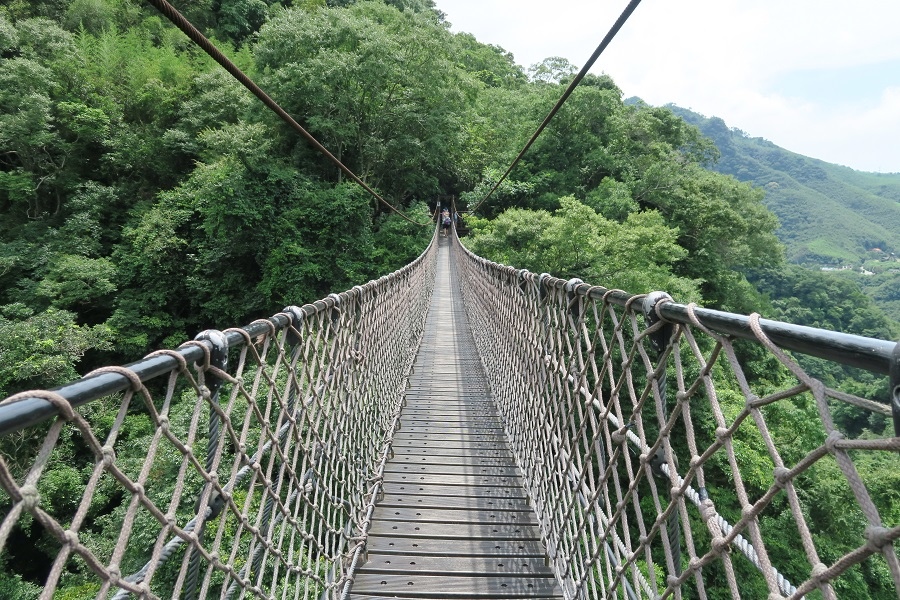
x=147 y=196
x=830 y=216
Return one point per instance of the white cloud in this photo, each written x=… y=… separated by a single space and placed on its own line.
x=722 y=57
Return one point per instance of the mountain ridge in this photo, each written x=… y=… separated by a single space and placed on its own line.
x=830 y=215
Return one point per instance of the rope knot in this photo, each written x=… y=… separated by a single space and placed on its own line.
x=30 y=496
x=115 y=573
x=108 y=455
x=619 y=435
x=782 y=476
x=877 y=537
x=720 y=546
x=70 y=538
x=818 y=571
x=831 y=441
x=721 y=433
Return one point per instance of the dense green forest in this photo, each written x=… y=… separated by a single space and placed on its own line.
x=147 y=196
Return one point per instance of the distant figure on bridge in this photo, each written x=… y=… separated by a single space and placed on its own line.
x=445 y=222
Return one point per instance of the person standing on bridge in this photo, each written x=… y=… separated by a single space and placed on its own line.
x=445 y=222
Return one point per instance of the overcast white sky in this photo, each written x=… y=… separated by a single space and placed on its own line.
x=817 y=77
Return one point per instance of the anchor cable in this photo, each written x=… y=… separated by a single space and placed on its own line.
x=198 y=38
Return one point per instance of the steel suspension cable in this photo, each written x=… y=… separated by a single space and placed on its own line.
x=571 y=88
x=198 y=38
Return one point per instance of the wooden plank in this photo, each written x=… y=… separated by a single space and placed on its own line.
x=445 y=469
x=454 y=459
x=479 y=421
x=449 y=531
x=433 y=489
x=454 y=516
x=453 y=429
x=449 y=445
x=499 y=451
x=468 y=502
x=533 y=549
x=473 y=480
x=449 y=437
x=474 y=566
x=445 y=586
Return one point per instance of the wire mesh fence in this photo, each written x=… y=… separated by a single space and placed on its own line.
x=243 y=464
x=673 y=451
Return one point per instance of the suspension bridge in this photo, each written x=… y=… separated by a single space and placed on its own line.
x=457 y=429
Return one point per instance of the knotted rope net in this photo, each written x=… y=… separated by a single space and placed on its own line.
x=259 y=453
x=660 y=466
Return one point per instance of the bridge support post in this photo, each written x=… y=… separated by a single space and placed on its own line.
x=895 y=389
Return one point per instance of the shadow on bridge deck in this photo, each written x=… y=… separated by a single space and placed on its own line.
x=455 y=521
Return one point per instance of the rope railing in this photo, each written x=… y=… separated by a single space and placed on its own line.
x=248 y=462
x=632 y=418
x=260 y=454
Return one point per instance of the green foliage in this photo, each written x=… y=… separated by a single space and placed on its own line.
x=552 y=70
x=73 y=281
x=575 y=241
x=375 y=85
x=13 y=587
x=492 y=65
x=822 y=300
x=41 y=350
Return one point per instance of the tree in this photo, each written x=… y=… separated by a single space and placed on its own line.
x=376 y=86
x=552 y=70
x=575 y=241
x=42 y=350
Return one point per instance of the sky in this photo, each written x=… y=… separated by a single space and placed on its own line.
x=820 y=78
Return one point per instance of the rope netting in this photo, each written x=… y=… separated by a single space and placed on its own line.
x=260 y=454
x=659 y=465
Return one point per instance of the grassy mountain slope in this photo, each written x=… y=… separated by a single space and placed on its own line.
x=830 y=215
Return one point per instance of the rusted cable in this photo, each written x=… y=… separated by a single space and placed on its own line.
x=198 y=38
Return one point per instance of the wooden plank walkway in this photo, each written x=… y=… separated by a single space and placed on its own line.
x=455 y=521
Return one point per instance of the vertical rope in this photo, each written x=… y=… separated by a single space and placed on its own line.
x=218 y=358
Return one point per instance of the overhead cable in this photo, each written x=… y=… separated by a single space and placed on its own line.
x=584 y=70
x=198 y=38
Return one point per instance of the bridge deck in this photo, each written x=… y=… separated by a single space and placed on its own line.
x=455 y=521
